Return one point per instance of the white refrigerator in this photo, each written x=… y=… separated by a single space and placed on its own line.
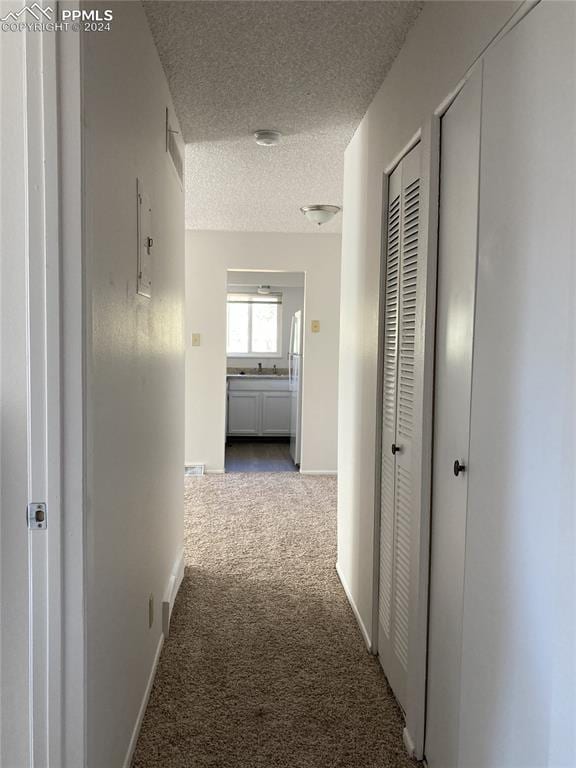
x=295 y=386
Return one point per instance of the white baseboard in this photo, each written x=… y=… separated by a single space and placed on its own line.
x=143 y=705
x=172 y=588
x=346 y=589
x=174 y=583
x=408 y=743
x=214 y=471
x=328 y=472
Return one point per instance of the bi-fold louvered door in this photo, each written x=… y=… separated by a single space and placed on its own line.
x=397 y=501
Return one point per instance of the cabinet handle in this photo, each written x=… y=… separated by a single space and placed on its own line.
x=458 y=468
x=396 y=449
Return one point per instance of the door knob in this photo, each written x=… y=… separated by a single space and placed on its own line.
x=396 y=449
x=459 y=468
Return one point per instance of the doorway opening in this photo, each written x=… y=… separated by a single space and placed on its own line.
x=264 y=370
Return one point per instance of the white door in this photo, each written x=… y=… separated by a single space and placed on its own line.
x=519 y=646
x=458 y=225
x=397 y=505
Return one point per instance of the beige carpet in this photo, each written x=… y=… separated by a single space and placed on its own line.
x=265 y=666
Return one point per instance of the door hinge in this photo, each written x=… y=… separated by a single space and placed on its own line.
x=36 y=516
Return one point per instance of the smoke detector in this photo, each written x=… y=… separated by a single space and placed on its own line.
x=267 y=138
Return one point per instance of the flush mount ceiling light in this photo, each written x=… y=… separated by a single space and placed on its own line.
x=320 y=214
x=264 y=290
x=267 y=138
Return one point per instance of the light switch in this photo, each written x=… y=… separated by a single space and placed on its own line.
x=195 y=339
x=315 y=326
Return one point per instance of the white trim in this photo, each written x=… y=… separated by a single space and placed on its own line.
x=391 y=167
x=379 y=402
x=355 y=610
x=408 y=742
x=171 y=591
x=213 y=472
x=326 y=472
x=142 y=711
x=42 y=254
x=170 y=594
x=514 y=19
x=423 y=417
x=73 y=340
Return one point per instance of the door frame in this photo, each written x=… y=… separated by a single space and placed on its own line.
x=56 y=397
x=429 y=139
x=43 y=361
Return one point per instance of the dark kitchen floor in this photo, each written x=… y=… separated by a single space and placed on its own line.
x=259 y=456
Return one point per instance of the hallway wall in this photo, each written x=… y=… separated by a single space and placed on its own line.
x=208 y=256
x=444 y=42
x=134 y=377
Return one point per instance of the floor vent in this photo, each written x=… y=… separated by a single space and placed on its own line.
x=194 y=469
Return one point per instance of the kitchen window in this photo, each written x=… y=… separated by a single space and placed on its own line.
x=254 y=325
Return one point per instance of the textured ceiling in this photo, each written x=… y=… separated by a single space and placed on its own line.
x=306 y=68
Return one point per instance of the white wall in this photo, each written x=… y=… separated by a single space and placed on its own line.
x=134 y=376
x=292 y=300
x=443 y=43
x=208 y=257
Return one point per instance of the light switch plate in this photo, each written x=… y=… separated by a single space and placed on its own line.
x=315 y=326
x=195 y=339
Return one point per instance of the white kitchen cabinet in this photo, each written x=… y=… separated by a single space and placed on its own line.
x=275 y=413
x=244 y=413
x=258 y=407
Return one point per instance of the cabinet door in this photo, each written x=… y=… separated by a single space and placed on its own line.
x=244 y=413
x=275 y=413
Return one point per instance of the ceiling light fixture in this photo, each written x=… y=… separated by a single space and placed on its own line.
x=320 y=214
x=267 y=138
x=264 y=290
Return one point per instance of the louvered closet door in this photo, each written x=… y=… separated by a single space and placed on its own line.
x=397 y=498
